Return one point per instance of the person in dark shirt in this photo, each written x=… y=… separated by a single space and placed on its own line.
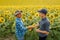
x=43 y=25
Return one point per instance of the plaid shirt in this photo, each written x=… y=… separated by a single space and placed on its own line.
x=20 y=29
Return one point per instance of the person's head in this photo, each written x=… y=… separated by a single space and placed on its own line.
x=42 y=13
x=18 y=13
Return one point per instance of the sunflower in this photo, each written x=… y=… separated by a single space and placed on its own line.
x=32 y=13
x=36 y=14
x=51 y=16
x=2 y=20
x=33 y=24
x=8 y=12
x=51 y=21
x=30 y=17
x=56 y=15
x=5 y=15
x=23 y=17
x=47 y=15
x=23 y=14
x=10 y=18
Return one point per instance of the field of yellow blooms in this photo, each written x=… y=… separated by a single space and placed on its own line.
x=30 y=16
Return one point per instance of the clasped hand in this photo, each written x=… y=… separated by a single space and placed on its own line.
x=31 y=27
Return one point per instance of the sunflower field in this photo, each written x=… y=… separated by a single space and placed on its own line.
x=30 y=16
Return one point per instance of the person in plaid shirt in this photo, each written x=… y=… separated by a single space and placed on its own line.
x=20 y=28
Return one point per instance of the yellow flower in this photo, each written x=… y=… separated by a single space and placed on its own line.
x=48 y=15
x=5 y=15
x=2 y=20
x=23 y=14
x=56 y=15
x=33 y=24
x=51 y=21
x=30 y=17
x=51 y=16
x=32 y=13
x=10 y=18
x=8 y=12
x=36 y=14
x=23 y=17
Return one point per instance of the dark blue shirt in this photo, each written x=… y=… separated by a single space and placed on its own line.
x=44 y=26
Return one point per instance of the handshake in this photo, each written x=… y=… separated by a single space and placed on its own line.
x=31 y=27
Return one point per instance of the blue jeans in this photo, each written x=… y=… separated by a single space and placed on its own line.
x=20 y=38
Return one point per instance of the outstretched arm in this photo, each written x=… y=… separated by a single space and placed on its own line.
x=35 y=25
x=46 y=31
x=40 y=31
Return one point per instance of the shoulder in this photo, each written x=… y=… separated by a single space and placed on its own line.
x=17 y=21
x=47 y=21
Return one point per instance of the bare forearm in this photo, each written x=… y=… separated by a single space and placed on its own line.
x=44 y=32
x=36 y=25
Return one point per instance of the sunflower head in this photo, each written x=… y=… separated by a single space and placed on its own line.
x=56 y=15
x=37 y=14
x=30 y=17
x=51 y=21
x=2 y=20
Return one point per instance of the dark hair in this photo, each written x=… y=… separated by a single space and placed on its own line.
x=44 y=11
